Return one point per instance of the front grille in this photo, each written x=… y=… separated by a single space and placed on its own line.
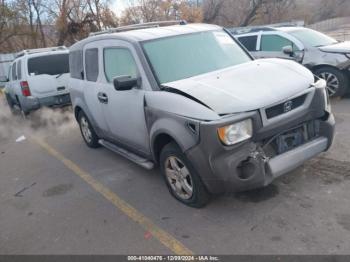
x=285 y=107
x=292 y=138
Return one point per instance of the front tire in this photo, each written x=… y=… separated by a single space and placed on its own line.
x=181 y=178
x=337 y=81
x=87 y=131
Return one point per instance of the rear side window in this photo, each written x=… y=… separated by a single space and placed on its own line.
x=14 y=76
x=76 y=64
x=274 y=43
x=91 y=64
x=249 y=42
x=119 y=62
x=19 y=70
x=49 y=65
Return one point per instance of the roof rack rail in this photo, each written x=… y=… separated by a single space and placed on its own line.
x=40 y=50
x=270 y=27
x=139 y=26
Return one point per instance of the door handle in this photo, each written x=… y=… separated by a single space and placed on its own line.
x=103 y=98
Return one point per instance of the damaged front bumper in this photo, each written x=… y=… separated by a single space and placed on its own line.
x=256 y=163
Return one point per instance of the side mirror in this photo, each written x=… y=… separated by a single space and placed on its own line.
x=123 y=83
x=4 y=79
x=288 y=50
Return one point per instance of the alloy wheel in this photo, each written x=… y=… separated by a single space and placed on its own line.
x=333 y=83
x=179 y=177
x=85 y=129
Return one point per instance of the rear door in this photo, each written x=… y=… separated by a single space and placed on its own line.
x=19 y=77
x=92 y=88
x=48 y=74
x=14 y=88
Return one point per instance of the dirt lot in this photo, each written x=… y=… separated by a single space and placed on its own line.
x=59 y=197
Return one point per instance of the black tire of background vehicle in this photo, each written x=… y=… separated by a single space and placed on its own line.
x=200 y=196
x=93 y=143
x=10 y=103
x=342 y=78
x=23 y=113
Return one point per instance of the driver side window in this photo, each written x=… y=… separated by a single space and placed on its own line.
x=119 y=62
x=275 y=43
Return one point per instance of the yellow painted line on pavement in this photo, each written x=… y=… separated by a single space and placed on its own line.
x=162 y=236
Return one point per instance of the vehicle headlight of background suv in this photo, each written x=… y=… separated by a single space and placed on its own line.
x=235 y=133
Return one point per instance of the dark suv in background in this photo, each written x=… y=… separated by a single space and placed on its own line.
x=324 y=56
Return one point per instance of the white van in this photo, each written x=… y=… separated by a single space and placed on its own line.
x=38 y=77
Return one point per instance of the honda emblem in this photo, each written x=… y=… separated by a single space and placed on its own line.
x=288 y=106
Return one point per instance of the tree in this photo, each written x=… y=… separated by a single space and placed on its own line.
x=75 y=19
x=141 y=11
x=36 y=6
x=244 y=12
x=13 y=27
x=212 y=10
x=331 y=9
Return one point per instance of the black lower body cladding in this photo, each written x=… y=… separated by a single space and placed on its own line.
x=249 y=165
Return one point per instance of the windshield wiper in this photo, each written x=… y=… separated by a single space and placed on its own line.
x=59 y=75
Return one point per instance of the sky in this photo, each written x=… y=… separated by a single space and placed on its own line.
x=118 y=6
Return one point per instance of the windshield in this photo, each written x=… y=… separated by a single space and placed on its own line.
x=49 y=64
x=184 y=56
x=313 y=38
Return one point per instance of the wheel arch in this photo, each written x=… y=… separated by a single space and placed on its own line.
x=159 y=141
x=342 y=75
x=77 y=111
x=317 y=67
x=165 y=127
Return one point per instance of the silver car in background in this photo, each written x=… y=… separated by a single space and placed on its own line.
x=324 y=56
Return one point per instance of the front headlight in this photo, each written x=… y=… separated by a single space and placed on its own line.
x=235 y=133
x=322 y=84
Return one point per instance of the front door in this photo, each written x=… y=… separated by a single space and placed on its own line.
x=124 y=110
x=271 y=46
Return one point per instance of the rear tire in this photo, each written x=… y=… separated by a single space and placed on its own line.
x=23 y=113
x=10 y=103
x=181 y=178
x=87 y=131
x=337 y=81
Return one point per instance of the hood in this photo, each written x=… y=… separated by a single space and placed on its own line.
x=343 y=47
x=248 y=86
